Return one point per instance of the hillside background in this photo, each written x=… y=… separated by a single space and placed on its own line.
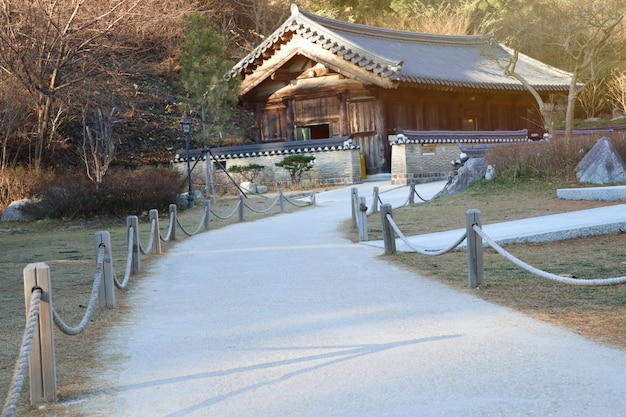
x=116 y=65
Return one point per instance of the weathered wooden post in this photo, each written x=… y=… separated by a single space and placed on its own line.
x=153 y=215
x=362 y=219
x=389 y=236
x=312 y=198
x=173 y=219
x=281 y=200
x=132 y=225
x=475 y=266
x=241 y=207
x=354 y=196
x=106 y=292
x=42 y=361
x=375 y=200
x=412 y=193
x=207 y=214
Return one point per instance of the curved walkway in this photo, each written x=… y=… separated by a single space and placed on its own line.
x=285 y=317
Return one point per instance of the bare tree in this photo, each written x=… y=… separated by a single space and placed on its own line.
x=13 y=115
x=98 y=150
x=582 y=31
x=50 y=45
x=592 y=98
x=617 y=91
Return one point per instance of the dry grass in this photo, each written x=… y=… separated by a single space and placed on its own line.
x=595 y=312
x=69 y=249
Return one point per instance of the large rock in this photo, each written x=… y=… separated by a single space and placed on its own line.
x=602 y=164
x=13 y=212
x=473 y=170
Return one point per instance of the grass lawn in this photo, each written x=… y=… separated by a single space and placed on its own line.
x=596 y=312
x=68 y=247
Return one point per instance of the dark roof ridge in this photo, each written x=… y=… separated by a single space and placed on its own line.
x=402 y=35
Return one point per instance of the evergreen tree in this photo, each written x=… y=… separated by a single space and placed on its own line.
x=204 y=66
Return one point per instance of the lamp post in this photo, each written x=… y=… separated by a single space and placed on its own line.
x=186 y=124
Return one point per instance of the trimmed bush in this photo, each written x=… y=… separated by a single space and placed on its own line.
x=122 y=193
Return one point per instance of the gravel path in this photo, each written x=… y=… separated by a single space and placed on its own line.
x=285 y=317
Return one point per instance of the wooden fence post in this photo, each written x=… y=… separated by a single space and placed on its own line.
x=281 y=200
x=106 y=292
x=362 y=219
x=412 y=193
x=133 y=222
x=156 y=236
x=354 y=196
x=475 y=266
x=375 y=200
x=207 y=216
x=173 y=219
x=389 y=236
x=241 y=207
x=42 y=361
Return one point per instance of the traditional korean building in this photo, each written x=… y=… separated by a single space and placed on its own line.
x=317 y=78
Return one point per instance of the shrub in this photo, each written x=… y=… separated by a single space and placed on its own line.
x=122 y=193
x=16 y=183
x=249 y=172
x=553 y=160
x=296 y=165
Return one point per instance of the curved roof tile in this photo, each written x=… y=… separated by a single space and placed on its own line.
x=413 y=57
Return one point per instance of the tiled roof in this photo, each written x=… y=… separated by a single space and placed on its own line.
x=460 y=137
x=268 y=149
x=446 y=61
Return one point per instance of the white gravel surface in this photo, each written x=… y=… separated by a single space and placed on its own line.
x=285 y=317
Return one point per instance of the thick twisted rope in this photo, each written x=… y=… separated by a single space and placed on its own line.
x=427 y=252
x=228 y=216
x=21 y=364
x=129 y=264
x=72 y=331
x=264 y=210
x=204 y=214
x=170 y=228
x=147 y=250
x=293 y=203
x=544 y=274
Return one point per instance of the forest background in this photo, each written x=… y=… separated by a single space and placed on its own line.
x=90 y=87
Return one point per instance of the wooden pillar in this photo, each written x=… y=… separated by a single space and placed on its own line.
x=207 y=214
x=475 y=267
x=106 y=292
x=375 y=200
x=132 y=225
x=241 y=207
x=362 y=219
x=173 y=220
x=354 y=196
x=42 y=361
x=389 y=236
x=156 y=235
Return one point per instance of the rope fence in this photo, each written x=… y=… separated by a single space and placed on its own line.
x=477 y=239
x=37 y=353
x=360 y=210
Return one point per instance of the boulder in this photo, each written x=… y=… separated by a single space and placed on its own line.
x=13 y=212
x=473 y=170
x=602 y=164
x=248 y=186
